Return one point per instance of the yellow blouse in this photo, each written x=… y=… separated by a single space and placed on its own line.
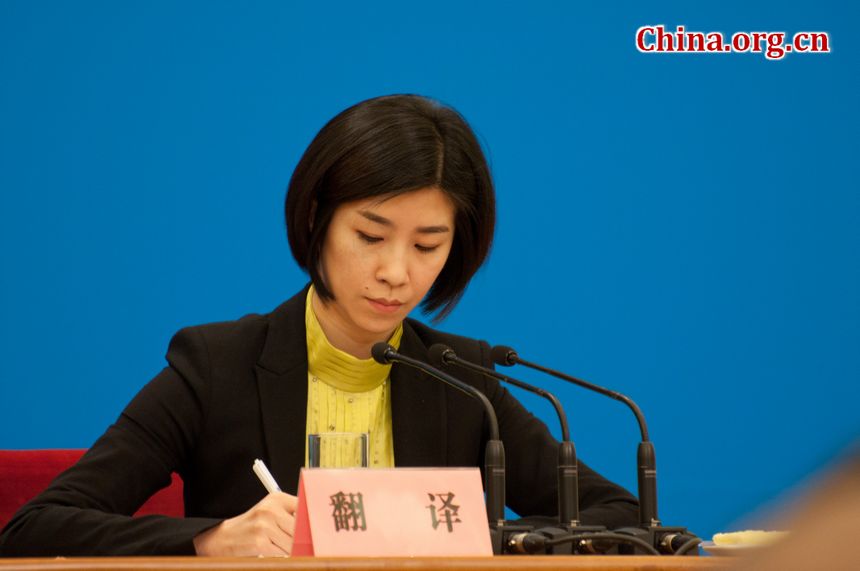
x=348 y=394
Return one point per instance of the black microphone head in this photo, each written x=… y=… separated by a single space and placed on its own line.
x=380 y=352
x=439 y=355
x=503 y=355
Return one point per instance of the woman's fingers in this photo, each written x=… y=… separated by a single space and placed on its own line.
x=274 y=523
x=266 y=529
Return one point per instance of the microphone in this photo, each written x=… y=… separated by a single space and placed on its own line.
x=647 y=469
x=568 y=471
x=649 y=524
x=494 y=456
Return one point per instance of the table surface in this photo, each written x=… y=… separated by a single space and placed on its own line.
x=506 y=563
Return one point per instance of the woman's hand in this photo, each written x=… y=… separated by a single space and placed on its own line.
x=264 y=530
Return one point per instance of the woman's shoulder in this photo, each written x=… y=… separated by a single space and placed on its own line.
x=216 y=344
x=245 y=339
x=229 y=332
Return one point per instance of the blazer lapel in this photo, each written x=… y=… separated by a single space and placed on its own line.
x=282 y=381
x=418 y=409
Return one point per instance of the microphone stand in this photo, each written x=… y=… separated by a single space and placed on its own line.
x=669 y=540
x=568 y=470
x=494 y=456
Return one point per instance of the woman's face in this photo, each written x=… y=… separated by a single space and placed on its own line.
x=379 y=259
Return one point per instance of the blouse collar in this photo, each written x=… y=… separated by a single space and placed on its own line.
x=338 y=368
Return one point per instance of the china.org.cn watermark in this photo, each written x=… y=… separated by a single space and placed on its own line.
x=774 y=45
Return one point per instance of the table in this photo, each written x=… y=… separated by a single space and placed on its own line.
x=506 y=563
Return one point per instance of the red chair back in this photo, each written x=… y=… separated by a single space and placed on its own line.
x=25 y=473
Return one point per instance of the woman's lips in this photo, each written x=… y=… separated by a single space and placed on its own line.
x=383 y=305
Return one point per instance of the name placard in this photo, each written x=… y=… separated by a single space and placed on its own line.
x=391 y=512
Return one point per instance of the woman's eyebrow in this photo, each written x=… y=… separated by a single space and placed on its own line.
x=439 y=229
x=376 y=218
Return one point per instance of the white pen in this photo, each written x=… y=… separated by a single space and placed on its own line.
x=265 y=477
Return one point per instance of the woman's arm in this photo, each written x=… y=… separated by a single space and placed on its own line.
x=87 y=509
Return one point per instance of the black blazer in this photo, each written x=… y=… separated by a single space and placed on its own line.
x=236 y=391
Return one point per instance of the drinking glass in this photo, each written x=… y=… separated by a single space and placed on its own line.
x=337 y=450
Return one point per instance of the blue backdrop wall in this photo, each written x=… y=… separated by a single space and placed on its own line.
x=682 y=228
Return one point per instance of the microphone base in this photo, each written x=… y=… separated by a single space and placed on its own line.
x=653 y=535
x=568 y=548
x=501 y=533
x=549 y=530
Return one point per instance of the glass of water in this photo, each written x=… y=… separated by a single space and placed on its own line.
x=337 y=450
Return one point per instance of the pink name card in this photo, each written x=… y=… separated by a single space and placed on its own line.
x=391 y=512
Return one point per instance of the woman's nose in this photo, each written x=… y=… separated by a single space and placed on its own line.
x=393 y=269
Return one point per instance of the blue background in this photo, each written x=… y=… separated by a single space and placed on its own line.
x=682 y=228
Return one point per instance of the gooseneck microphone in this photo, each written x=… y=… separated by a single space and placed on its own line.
x=507 y=357
x=494 y=457
x=647 y=463
x=568 y=475
x=441 y=355
x=674 y=540
x=385 y=354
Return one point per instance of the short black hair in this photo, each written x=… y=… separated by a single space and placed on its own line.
x=387 y=146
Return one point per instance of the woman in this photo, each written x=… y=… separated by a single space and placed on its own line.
x=391 y=205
